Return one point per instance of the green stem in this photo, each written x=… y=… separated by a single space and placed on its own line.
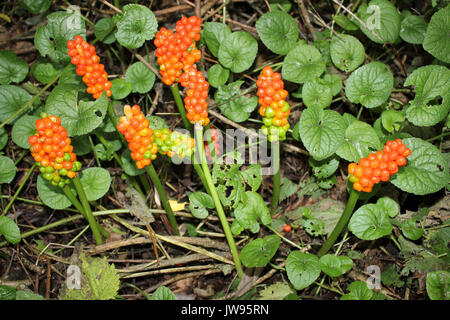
x=354 y=195
x=163 y=196
x=95 y=152
x=276 y=178
x=87 y=210
x=180 y=106
x=30 y=171
x=30 y=102
x=218 y=204
x=69 y=194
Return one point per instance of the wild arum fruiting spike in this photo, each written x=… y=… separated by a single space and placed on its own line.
x=135 y=128
x=88 y=66
x=378 y=166
x=177 y=51
x=274 y=109
x=51 y=148
x=173 y=143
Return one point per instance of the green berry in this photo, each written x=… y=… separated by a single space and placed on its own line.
x=54 y=183
x=267 y=122
x=49 y=169
x=286 y=107
x=42 y=170
x=61 y=184
x=43 y=115
x=63 y=171
x=147 y=154
x=270 y=113
x=48 y=176
x=67 y=157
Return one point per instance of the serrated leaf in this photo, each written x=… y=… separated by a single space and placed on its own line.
x=370 y=222
x=334 y=266
x=140 y=77
x=430 y=82
x=426 y=171
x=278 y=31
x=413 y=29
x=287 y=189
x=238 y=51
x=358 y=291
x=233 y=104
x=12 y=68
x=163 y=293
x=7 y=293
x=101 y=277
x=382 y=18
x=303 y=63
x=258 y=252
x=135 y=25
x=95 y=182
x=252 y=176
x=324 y=168
x=199 y=203
x=316 y=95
x=120 y=89
x=347 y=52
x=23 y=129
x=78 y=117
x=104 y=30
x=436 y=41
x=321 y=131
x=27 y=295
x=12 y=98
x=51 y=39
x=411 y=231
x=9 y=230
x=334 y=81
x=438 y=284
x=217 y=75
x=302 y=269
x=7 y=170
x=370 y=85
x=360 y=140
x=250 y=212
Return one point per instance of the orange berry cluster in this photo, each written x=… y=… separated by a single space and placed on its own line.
x=378 y=166
x=274 y=109
x=135 y=128
x=196 y=95
x=176 y=51
x=51 y=148
x=93 y=73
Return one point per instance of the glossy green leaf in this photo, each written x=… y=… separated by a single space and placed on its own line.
x=438 y=284
x=7 y=170
x=120 y=89
x=44 y=71
x=392 y=120
x=36 y=6
x=411 y=231
x=316 y=95
x=258 y=252
x=347 y=52
x=233 y=103
x=238 y=51
x=436 y=41
x=358 y=291
x=104 y=30
x=426 y=171
x=370 y=222
x=95 y=182
x=140 y=77
x=12 y=68
x=370 y=85
x=334 y=81
x=334 y=266
x=23 y=129
x=321 y=131
x=250 y=212
x=163 y=293
x=135 y=25
x=278 y=31
x=12 y=98
x=413 y=29
x=214 y=34
x=302 y=269
x=389 y=206
x=324 y=168
x=217 y=75
x=199 y=203
x=303 y=63
x=52 y=196
x=9 y=230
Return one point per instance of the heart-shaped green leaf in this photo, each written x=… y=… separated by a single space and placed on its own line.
x=238 y=51
x=9 y=230
x=436 y=40
x=347 y=52
x=370 y=222
x=334 y=266
x=199 y=203
x=7 y=170
x=140 y=77
x=95 y=182
x=302 y=269
x=303 y=63
x=12 y=68
x=258 y=252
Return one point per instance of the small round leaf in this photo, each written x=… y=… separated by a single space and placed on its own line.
x=23 y=129
x=303 y=63
x=238 y=51
x=140 y=77
x=12 y=68
x=95 y=182
x=347 y=52
x=258 y=252
x=370 y=222
x=302 y=269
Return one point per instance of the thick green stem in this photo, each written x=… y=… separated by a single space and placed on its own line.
x=87 y=210
x=276 y=177
x=218 y=204
x=30 y=102
x=354 y=195
x=163 y=196
x=30 y=171
x=180 y=106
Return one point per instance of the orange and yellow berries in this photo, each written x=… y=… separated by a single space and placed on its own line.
x=274 y=109
x=196 y=95
x=176 y=51
x=135 y=128
x=378 y=166
x=174 y=143
x=51 y=148
x=88 y=66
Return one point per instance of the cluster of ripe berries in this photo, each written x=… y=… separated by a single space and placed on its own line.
x=51 y=148
x=378 y=166
x=173 y=143
x=93 y=73
x=196 y=95
x=135 y=128
x=274 y=109
x=176 y=51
